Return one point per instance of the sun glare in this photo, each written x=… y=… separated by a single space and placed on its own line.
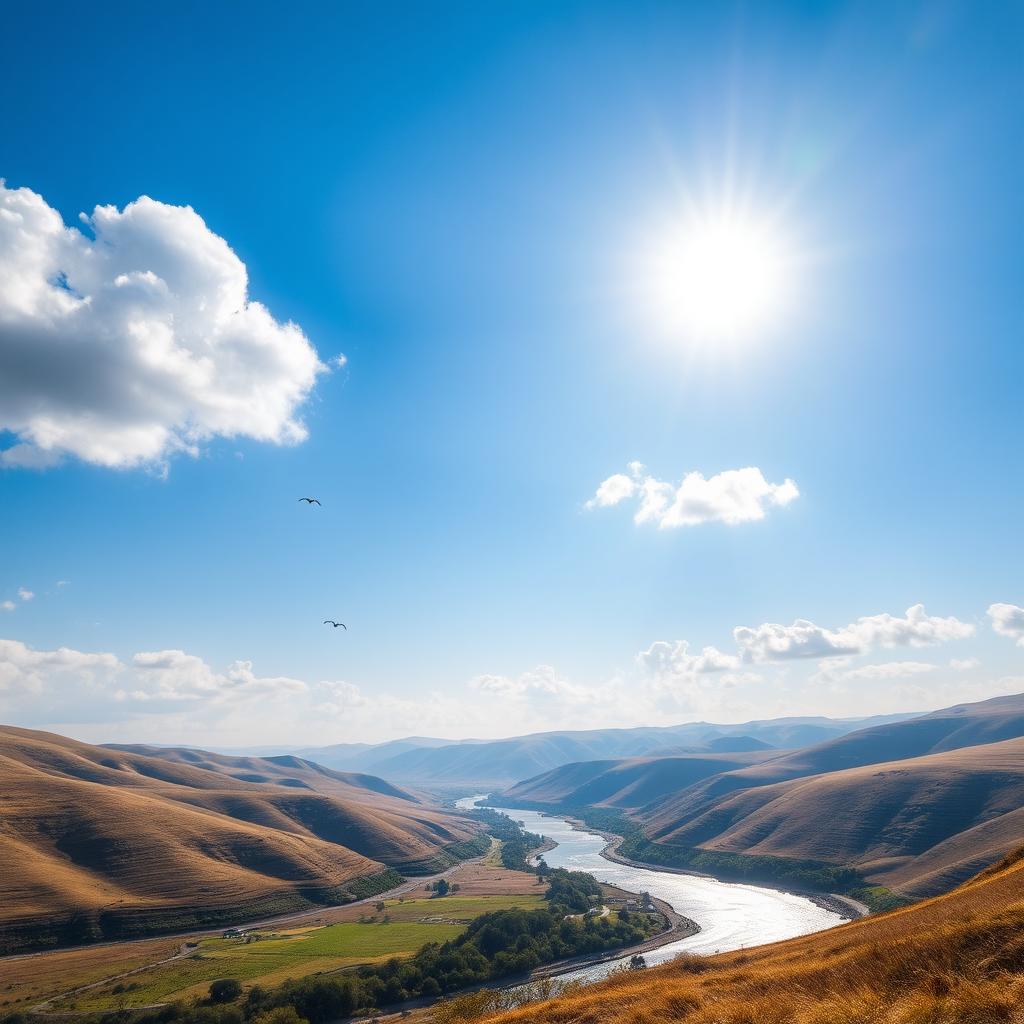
x=721 y=276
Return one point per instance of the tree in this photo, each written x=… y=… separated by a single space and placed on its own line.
x=280 y=1015
x=379 y=905
x=637 y=962
x=225 y=990
x=441 y=887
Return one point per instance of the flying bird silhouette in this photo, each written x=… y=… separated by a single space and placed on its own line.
x=311 y=501
x=331 y=622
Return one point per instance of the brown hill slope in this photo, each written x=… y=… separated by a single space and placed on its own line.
x=955 y=959
x=630 y=782
x=281 y=770
x=949 y=729
x=98 y=842
x=919 y=826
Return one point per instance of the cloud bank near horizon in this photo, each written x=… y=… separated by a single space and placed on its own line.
x=176 y=696
x=124 y=348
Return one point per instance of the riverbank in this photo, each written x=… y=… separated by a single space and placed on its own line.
x=844 y=906
x=679 y=927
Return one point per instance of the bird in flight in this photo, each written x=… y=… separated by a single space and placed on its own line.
x=331 y=622
x=311 y=501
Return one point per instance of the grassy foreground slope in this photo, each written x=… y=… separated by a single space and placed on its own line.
x=954 y=959
x=102 y=843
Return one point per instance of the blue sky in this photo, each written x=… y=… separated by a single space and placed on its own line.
x=453 y=196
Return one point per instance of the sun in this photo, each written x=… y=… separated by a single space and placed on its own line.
x=720 y=275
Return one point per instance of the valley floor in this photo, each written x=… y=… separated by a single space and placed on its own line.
x=151 y=972
x=41 y=979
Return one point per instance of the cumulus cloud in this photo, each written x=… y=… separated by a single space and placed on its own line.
x=25 y=595
x=1008 y=620
x=772 y=641
x=26 y=670
x=733 y=496
x=138 y=342
x=665 y=658
x=176 y=676
x=8 y=606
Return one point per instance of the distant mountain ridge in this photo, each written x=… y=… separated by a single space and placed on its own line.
x=499 y=763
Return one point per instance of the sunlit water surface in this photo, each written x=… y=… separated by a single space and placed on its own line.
x=730 y=915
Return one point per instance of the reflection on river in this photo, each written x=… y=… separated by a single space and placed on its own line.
x=730 y=915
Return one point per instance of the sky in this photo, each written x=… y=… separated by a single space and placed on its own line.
x=652 y=362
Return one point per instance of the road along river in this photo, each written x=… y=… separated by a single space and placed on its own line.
x=730 y=915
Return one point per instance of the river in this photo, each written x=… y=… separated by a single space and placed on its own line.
x=730 y=915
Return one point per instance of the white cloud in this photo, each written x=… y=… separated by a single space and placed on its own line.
x=126 y=347
x=964 y=664
x=665 y=658
x=25 y=595
x=540 y=683
x=916 y=629
x=616 y=488
x=62 y=583
x=8 y=606
x=733 y=496
x=25 y=670
x=175 y=675
x=890 y=670
x=340 y=360
x=1008 y=620
x=772 y=641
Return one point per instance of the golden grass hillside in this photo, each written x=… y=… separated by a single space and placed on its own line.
x=279 y=770
x=629 y=782
x=964 y=725
x=106 y=843
x=919 y=826
x=954 y=959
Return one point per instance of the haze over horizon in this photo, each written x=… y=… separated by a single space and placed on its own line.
x=651 y=365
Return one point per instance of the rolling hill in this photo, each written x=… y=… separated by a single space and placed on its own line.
x=954 y=959
x=918 y=826
x=101 y=842
x=628 y=782
x=915 y=806
x=500 y=763
x=949 y=729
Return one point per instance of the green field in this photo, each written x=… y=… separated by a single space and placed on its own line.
x=278 y=955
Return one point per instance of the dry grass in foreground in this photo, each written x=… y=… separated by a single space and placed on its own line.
x=955 y=959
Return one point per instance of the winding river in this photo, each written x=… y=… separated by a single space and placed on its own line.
x=730 y=915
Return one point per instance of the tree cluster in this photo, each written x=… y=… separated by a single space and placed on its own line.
x=496 y=945
x=516 y=843
x=572 y=891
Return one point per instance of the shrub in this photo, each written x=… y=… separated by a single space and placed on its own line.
x=225 y=990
